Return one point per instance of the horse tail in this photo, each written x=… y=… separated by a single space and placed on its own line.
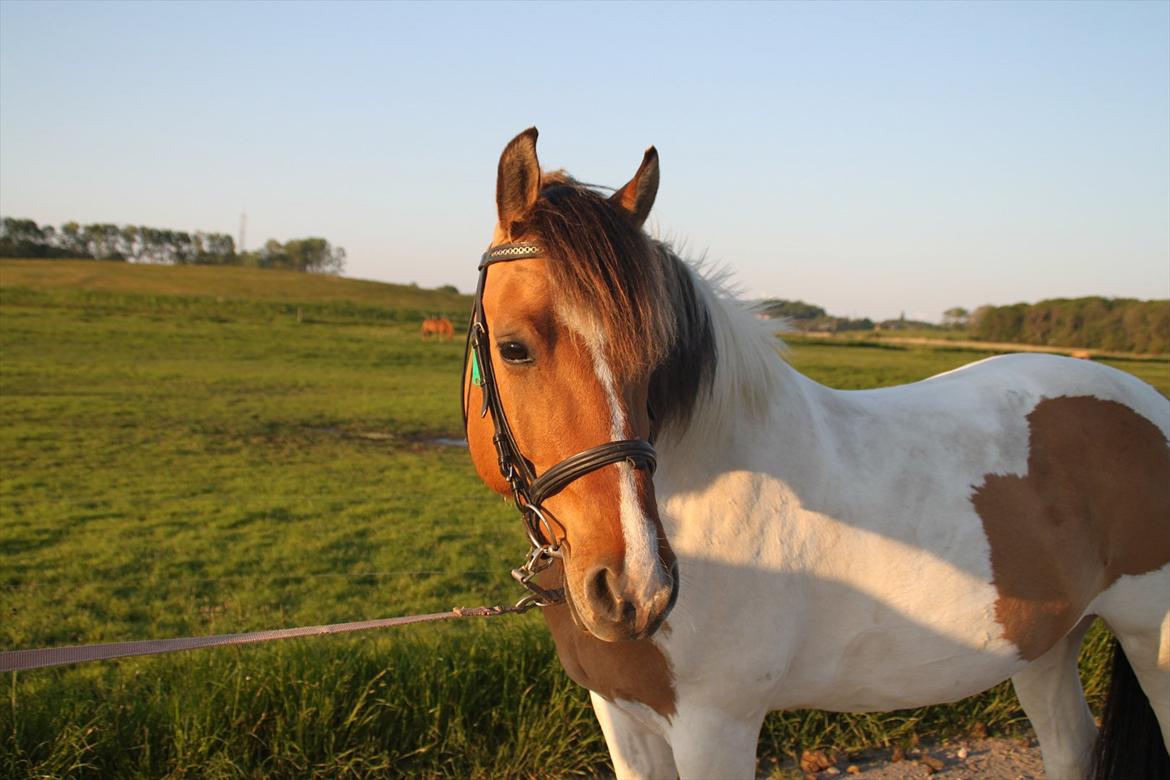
x=1130 y=743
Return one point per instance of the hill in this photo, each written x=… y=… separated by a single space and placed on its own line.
x=219 y=283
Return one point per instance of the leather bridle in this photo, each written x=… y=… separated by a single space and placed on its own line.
x=529 y=491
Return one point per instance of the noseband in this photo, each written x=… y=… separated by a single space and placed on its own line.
x=529 y=491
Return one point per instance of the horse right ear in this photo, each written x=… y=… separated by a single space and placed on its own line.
x=518 y=179
x=636 y=198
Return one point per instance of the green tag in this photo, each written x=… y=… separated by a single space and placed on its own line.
x=476 y=379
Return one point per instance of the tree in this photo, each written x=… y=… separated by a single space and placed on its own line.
x=775 y=308
x=128 y=244
x=956 y=317
x=21 y=238
x=976 y=317
x=71 y=241
x=314 y=255
x=273 y=255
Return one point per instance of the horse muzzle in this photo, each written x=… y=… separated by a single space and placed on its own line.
x=614 y=607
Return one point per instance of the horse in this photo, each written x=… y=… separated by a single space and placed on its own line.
x=440 y=327
x=715 y=536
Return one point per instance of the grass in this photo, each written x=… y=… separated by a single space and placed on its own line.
x=175 y=462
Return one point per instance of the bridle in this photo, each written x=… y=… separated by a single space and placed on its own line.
x=529 y=491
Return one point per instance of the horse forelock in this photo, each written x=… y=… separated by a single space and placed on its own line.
x=633 y=294
x=603 y=273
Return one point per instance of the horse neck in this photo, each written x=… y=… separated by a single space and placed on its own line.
x=753 y=394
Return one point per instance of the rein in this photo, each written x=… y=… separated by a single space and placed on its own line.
x=529 y=491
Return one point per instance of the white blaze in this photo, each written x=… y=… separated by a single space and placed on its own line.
x=640 y=536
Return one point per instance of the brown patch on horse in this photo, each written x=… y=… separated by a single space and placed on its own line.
x=635 y=670
x=1092 y=507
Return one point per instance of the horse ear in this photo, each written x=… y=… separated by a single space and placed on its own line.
x=637 y=197
x=518 y=179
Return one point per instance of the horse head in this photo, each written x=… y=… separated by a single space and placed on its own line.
x=571 y=334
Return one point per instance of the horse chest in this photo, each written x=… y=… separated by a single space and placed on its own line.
x=634 y=670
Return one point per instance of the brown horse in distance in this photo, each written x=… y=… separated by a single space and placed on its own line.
x=440 y=327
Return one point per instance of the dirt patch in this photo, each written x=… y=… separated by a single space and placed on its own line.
x=971 y=759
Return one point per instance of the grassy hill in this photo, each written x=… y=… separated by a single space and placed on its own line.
x=228 y=288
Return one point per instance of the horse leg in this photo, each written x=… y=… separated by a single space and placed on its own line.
x=1049 y=690
x=1135 y=609
x=636 y=751
x=711 y=743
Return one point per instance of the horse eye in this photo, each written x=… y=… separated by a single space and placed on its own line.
x=514 y=352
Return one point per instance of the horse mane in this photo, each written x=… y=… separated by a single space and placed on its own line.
x=632 y=289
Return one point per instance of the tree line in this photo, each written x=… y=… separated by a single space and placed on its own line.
x=142 y=244
x=1112 y=324
x=809 y=317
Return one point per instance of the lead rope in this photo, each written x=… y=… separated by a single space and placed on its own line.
x=22 y=660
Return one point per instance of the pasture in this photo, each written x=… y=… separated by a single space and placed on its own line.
x=192 y=451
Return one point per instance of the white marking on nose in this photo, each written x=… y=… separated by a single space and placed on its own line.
x=641 y=538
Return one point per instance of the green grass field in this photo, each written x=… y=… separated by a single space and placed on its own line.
x=179 y=455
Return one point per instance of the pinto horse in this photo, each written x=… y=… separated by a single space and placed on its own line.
x=723 y=537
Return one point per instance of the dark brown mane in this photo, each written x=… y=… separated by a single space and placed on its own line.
x=640 y=295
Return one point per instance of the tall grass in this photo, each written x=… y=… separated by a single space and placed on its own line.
x=174 y=464
x=452 y=703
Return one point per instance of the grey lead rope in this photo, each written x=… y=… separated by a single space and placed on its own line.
x=20 y=660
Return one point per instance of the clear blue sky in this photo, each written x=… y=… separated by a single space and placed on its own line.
x=871 y=158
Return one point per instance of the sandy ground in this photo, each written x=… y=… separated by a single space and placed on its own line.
x=971 y=759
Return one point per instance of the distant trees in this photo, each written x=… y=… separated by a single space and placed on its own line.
x=806 y=316
x=142 y=244
x=776 y=308
x=1114 y=324
x=956 y=318
x=302 y=254
x=24 y=238
x=1111 y=324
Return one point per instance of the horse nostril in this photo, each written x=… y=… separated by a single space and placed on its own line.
x=602 y=592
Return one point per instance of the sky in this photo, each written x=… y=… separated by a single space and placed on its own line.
x=877 y=159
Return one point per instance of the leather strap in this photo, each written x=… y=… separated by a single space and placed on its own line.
x=638 y=452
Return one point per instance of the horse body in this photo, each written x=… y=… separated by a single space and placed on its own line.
x=439 y=327
x=832 y=538
x=854 y=550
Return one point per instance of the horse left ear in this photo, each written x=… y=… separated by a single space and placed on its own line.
x=517 y=179
x=637 y=197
